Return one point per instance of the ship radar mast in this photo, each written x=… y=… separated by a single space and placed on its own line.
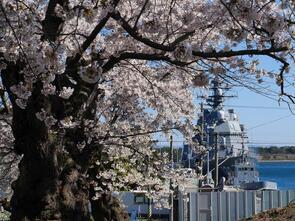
x=215 y=101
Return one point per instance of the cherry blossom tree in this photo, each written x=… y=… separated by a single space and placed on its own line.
x=91 y=81
x=8 y=158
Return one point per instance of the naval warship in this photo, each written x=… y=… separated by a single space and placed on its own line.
x=225 y=141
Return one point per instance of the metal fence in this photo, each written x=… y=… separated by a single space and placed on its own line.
x=230 y=206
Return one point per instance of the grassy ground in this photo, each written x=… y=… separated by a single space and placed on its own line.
x=281 y=214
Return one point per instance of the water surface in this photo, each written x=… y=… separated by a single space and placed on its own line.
x=281 y=172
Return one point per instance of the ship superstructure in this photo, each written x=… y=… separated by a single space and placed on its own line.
x=222 y=124
x=225 y=140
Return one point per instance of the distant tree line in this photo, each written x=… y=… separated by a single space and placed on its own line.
x=276 y=153
x=276 y=150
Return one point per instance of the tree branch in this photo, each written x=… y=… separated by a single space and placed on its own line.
x=140 y=13
x=163 y=57
x=51 y=23
x=94 y=33
x=140 y=56
x=226 y=54
x=133 y=32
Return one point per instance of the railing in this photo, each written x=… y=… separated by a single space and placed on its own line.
x=230 y=206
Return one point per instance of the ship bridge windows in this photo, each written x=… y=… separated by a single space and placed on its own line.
x=246 y=168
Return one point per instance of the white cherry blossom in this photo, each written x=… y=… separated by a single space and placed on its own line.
x=66 y=92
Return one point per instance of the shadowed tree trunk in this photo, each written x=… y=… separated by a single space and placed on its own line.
x=41 y=195
x=49 y=186
x=107 y=208
x=52 y=184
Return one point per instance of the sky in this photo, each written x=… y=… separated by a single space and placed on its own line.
x=268 y=122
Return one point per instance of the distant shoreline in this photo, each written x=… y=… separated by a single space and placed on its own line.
x=275 y=161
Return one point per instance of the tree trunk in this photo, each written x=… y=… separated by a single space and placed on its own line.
x=107 y=208
x=41 y=194
x=49 y=186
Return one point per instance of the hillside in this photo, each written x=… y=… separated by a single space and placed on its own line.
x=281 y=214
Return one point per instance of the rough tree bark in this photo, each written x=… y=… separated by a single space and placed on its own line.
x=52 y=183
x=39 y=193
x=106 y=208
x=49 y=186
